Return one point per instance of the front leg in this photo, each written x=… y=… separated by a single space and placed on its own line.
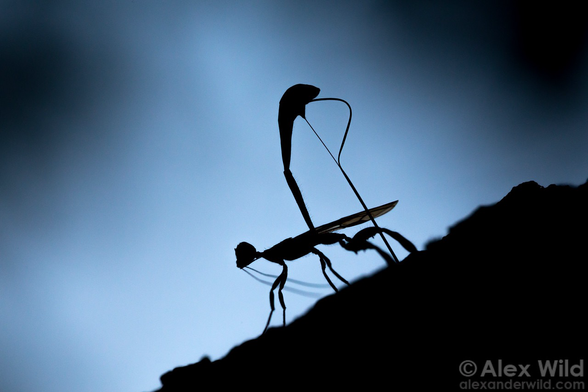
x=284 y=276
x=279 y=282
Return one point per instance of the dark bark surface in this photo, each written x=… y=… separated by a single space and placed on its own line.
x=505 y=284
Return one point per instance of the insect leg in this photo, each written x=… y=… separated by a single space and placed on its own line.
x=280 y=281
x=284 y=276
x=328 y=262
x=369 y=232
x=355 y=245
x=325 y=262
x=323 y=267
x=272 y=308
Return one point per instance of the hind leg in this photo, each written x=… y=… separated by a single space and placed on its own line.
x=360 y=238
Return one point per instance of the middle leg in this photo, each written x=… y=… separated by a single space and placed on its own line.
x=325 y=262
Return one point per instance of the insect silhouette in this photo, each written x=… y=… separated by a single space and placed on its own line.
x=294 y=248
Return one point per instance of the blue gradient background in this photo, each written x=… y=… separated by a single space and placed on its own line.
x=139 y=145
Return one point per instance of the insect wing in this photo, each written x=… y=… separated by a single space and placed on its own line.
x=357 y=218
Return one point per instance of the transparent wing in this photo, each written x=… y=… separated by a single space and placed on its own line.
x=357 y=218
